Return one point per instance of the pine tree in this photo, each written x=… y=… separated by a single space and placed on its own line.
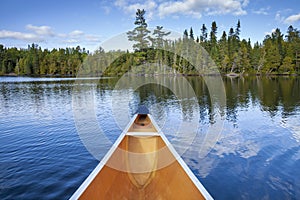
x=192 y=34
x=272 y=57
x=213 y=48
x=277 y=39
x=255 y=56
x=238 y=30
x=292 y=46
x=223 y=52
x=213 y=33
x=287 y=65
x=245 y=57
x=185 y=35
x=231 y=42
x=203 y=36
x=159 y=35
x=140 y=33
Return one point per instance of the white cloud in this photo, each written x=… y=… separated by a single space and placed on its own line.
x=38 y=34
x=62 y=35
x=245 y=3
x=71 y=41
x=40 y=30
x=292 y=19
x=72 y=34
x=195 y=8
x=179 y=7
x=261 y=11
x=270 y=33
x=278 y=17
x=35 y=34
x=92 y=38
x=200 y=7
x=76 y=33
x=149 y=5
x=4 y=34
x=293 y=124
x=78 y=37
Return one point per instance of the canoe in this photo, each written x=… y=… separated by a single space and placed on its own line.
x=142 y=164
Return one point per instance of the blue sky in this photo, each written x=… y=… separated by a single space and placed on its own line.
x=88 y=23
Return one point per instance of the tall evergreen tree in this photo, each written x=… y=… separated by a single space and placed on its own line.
x=292 y=47
x=213 y=33
x=185 y=34
x=255 y=56
x=272 y=55
x=159 y=35
x=203 y=36
x=244 y=55
x=277 y=39
x=223 y=52
x=292 y=34
x=140 y=33
x=231 y=43
x=192 y=34
x=213 y=48
x=277 y=53
x=238 y=30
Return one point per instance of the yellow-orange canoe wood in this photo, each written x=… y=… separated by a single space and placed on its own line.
x=142 y=164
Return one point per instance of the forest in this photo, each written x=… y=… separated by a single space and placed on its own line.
x=35 y=61
x=278 y=54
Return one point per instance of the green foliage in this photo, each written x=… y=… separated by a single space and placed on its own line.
x=34 y=61
x=274 y=56
x=159 y=35
x=278 y=54
x=185 y=34
x=140 y=33
x=287 y=66
x=192 y=34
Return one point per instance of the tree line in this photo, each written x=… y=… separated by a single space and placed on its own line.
x=277 y=54
x=34 y=61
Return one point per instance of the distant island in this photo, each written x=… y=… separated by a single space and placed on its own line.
x=278 y=54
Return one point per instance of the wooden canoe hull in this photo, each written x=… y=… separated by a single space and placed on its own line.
x=142 y=167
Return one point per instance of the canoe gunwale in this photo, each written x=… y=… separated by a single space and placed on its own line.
x=192 y=176
x=102 y=163
x=114 y=147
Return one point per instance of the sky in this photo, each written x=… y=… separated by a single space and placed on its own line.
x=90 y=23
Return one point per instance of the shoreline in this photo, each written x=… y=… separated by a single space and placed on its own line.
x=229 y=75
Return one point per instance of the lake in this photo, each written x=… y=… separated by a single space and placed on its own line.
x=247 y=148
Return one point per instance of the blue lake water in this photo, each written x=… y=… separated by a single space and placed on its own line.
x=255 y=155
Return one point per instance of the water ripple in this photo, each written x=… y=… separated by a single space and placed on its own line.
x=257 y=154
